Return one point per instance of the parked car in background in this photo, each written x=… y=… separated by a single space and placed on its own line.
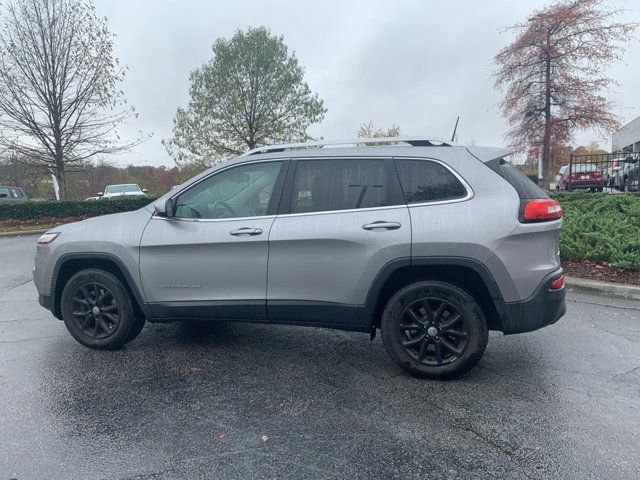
x=611 y=172
x=628 y=176
x=583 y=176
x=433 y=244
x=559 y=176
x=123 y=190
x=12 y=194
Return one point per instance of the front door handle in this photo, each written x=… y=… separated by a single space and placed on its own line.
x=382 y=225
x=246 y=231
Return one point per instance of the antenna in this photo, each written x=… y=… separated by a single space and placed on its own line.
x=455 y=129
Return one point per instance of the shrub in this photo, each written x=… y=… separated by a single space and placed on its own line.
x=68 y=208
x=533 y=176
x=601 y=227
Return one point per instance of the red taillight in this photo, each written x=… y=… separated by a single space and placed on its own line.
x=542 y=210
x=557 y=284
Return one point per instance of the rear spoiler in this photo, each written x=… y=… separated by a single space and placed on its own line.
x=486 y=154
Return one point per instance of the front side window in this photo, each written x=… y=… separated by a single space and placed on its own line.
x=328 y=185
x=427 y=181
x=243 y=191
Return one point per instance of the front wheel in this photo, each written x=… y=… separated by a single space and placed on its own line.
x=434 y=330
x=98 y=311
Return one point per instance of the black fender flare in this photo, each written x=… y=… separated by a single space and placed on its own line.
x=65 y=258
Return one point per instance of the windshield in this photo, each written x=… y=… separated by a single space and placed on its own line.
x=585 y=167
x=122 y=188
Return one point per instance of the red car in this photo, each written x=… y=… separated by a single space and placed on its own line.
x=583 y=175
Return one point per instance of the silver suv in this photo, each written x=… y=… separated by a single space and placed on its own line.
x=432 y=244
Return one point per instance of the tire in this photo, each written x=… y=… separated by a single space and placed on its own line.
x=400 y=327
x=106 y=324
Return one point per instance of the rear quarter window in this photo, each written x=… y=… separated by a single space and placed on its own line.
x=519 y=181
x=428 y=181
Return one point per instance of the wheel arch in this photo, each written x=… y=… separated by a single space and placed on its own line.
x=466 y=273
x=69 y=264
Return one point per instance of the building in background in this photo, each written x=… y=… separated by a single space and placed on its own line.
x=627 y=139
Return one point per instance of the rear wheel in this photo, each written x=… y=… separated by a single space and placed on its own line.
x=434 y=330
x=98 y=311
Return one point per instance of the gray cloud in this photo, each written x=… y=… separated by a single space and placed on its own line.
x=418 y=64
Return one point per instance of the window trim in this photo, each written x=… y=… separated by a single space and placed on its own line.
x=470 y=193
x=396 y=193
x=278 y=189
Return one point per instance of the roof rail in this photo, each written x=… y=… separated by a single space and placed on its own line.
x=412 y=141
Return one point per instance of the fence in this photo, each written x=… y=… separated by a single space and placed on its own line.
x=608 y=172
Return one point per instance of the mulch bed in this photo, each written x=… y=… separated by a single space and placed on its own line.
x=17 y=225
x=603 y=272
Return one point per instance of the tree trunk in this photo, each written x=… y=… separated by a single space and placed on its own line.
x=62 y=181
x=546 y=141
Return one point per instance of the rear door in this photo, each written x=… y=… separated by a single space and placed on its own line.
x=342 y=220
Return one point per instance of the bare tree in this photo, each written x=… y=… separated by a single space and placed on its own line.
x=60 y=106
x=554 y=74
x=368 y=130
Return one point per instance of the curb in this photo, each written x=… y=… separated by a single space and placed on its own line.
x=604 y=288
x=23 y=232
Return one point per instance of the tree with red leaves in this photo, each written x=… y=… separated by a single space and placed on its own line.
x=554 y=75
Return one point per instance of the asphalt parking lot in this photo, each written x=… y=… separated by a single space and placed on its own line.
x=261 y=401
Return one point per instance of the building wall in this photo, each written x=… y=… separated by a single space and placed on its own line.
x=627 y=139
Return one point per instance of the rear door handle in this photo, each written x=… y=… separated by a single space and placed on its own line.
x=382 y=225
x=246 y=231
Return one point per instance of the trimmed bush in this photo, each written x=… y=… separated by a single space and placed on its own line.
x=533 y=176
x=602 y=228
x=69 y=208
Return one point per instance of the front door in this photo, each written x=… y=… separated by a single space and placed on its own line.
x=209 y=259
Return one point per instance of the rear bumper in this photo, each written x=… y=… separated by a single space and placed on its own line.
x=591 y=184
x=544 y=307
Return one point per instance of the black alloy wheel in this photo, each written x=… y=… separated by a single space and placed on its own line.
x=95 y=310
x=433 y=331
x=98 y=310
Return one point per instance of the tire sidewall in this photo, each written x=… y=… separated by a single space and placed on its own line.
x=466 y=305
x=125 y=308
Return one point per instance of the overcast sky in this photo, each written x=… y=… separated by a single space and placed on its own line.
x=417 y=64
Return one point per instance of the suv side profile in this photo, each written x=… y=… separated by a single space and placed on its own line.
x=432 y=244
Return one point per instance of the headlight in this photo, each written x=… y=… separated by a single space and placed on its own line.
x=48 y=237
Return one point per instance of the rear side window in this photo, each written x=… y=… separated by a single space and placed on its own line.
x=427 y=181
x=523 y=185
x=341 y=184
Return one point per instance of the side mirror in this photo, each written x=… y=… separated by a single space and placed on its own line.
x=144 y=190
x=100 y=194
x=164 y=209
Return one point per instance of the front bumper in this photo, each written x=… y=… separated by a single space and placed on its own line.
x=46 y=301
x=544 y=307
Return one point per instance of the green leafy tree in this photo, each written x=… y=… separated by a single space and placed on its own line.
x=251 y=93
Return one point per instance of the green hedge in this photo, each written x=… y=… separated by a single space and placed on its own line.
x=601 y=227
x=68 y=208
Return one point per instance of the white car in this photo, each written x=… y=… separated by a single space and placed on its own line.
x=559 y=176
x=124 y=190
